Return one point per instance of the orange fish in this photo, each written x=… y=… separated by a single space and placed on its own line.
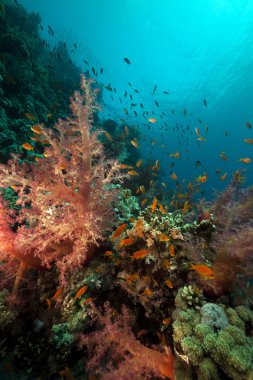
x=88 y=300
x=152 y=120
x=248 y=141
x=57 y=294
x=174 y=176
x=166 y=321
x=204 y=271
x=124 y=166
x=37 y=158
x=166 y=264
x=169 y=283
x=147 y=292
x=109 y=137
x=126 y=111
x=126 y=129
x=139 y=163
x=108 y=253
x=201 y=139
x=142 y=189
x=37 y=129
x=185 y=207
x=223 y=156
x=132 y=277
x=245 y=160
x=202 y=178
x=48 y=303
x=164 y=238
x=30 y=116
x=172 y=250
x=162 y=209
x=125 y=242
x=197 y=131
x=140 y=254
x=80 y=292
x=132 y=172
x=27 y=146
x=119 y=231
x=153 y=207
x=134 y=143
x=144 y=201
x=223 y=177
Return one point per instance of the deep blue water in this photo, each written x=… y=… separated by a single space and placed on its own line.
x=194 y=50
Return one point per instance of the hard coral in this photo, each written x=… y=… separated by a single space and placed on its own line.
x=65 y=197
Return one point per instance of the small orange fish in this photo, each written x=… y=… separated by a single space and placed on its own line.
x=132 y=277
x=132 y=172
x=109 y=137
x=164 y=238
x=37 y=129
x=119 y=231
x=147 y=292
x=169 y=283
x=174 y=176
x=140 y=254
x=30 y=116
x=88 y=300
x=126 y=129
x=108 y=253
x=139 y=163
x=153 y=207
x=166 y=321
x=48 y=303
x=202 y=178
x=126 y=111
x=37 y=158
x=142 y=189
x=134 y=143
x=248 y=141
x=223 y=156
x=49 y=115
x=201 y=139
x=185 y=207
x=144 y=201
x=152 y=120
x=166 y=263
x=223 y=177
x=124 y=166
x=204 y=270
x=27 y=146
x=172 y=250
x=127 y=241
x=197 y=131
x=57 y=294
x=245 y=160
x=80 y=292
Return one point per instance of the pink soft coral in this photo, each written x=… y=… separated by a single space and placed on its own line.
x=115 y=353
x=66 y=196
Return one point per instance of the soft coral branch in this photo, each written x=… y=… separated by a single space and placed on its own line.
x=66 y=196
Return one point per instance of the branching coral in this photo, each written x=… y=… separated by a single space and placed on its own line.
x=126 y=357
x=66 y=196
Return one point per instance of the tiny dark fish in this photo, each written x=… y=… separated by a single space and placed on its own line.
x=200 y=122
x=248 y=125
x=166 y=92
x=154 y=90
x=205 y=102
x=75 y=46
x=173 y=112
x=86 y=62
x=156 y=103
x=141 y=105
x=109 y=88
x=129 y=84
x=184 y=111
x=127 y=61
x=41 y=27
x=135 y=113
x=93 y=70
x=131 y=97
x=101 y=70
x=50 y=30
x=125 y=95
x=137 y=92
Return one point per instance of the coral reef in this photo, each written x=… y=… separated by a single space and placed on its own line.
x=215 y=340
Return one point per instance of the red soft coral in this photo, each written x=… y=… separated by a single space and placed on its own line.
x=115 y=353
x=66 y=196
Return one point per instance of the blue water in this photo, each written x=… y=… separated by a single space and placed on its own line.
x=194 y=49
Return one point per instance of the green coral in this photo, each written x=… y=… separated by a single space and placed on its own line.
x=189 y=296
x=214 y=341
